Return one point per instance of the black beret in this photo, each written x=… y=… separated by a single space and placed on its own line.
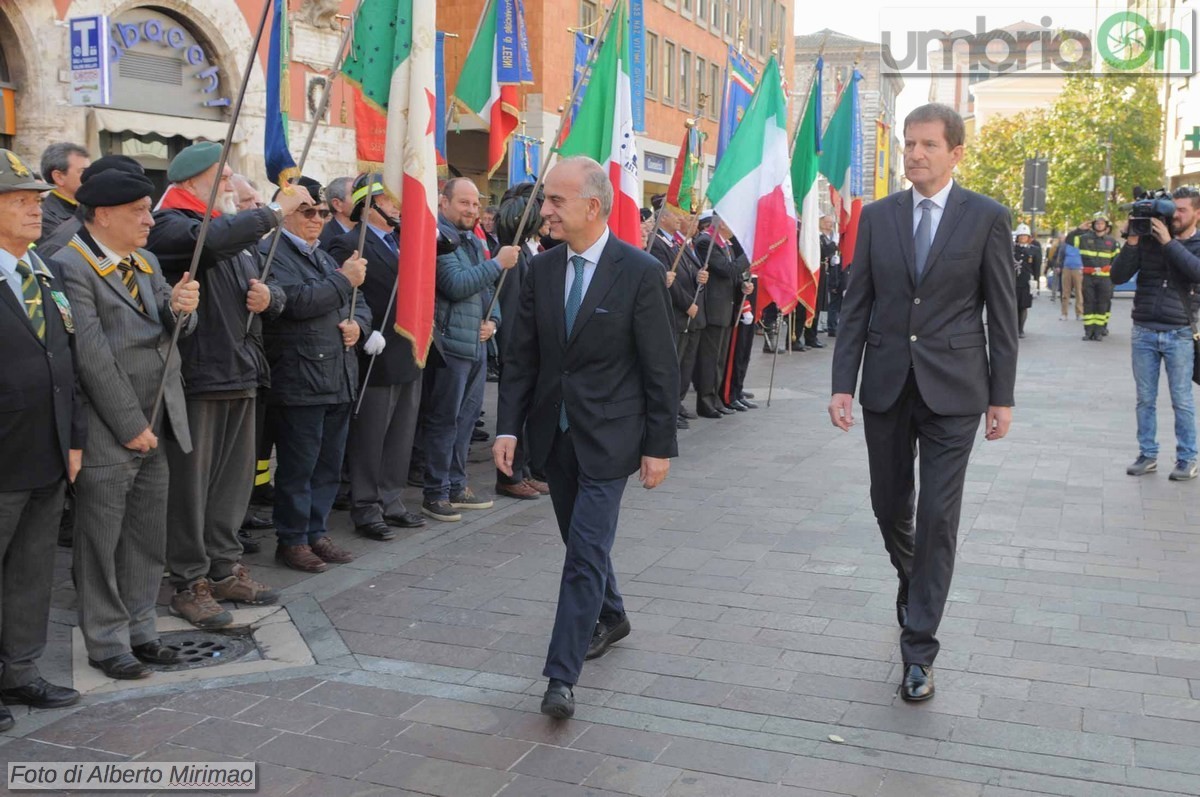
x=646 y=213
x=315 y=189
x=122 y=162
x=114 y=187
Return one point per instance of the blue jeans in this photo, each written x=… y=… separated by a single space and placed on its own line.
x=453 y=397
x=1150 y=348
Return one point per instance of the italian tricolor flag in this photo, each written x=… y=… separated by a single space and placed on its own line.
x=393 y=68
x=603 y=128
x=841 y=153
x=751 y=190
x=480 y=92
x=805 y=194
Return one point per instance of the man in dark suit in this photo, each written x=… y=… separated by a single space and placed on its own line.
x=41 y=438
x=341 y=204
x=832 y=277
x=593 y=381
x=721 y=296
x=684 y=278
x=927 y=263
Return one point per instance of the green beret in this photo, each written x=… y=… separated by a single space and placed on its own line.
x=194 y=160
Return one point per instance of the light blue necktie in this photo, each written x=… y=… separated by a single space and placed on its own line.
x=921 y=240
x=574 y=299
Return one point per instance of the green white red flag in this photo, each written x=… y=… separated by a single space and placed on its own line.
x=392 y=65
x=751 y=190
x=805 y=193
x=681 y=193
x=841 y=163
x=603 y=128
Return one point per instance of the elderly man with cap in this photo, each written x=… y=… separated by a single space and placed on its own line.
x=222 y=370
x=125 y=314
x=310 y=346
x=41 y=438
x=379 y=447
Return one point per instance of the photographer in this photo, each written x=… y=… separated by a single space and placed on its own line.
x=1167 y=263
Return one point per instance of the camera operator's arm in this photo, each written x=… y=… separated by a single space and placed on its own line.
x=1126 y=263
x=1176 y=254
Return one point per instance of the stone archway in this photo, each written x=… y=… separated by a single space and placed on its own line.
x=16 y=34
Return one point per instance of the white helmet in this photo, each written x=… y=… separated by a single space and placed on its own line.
x=1023 y=229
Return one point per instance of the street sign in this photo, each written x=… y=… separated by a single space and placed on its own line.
x=1108 y=184
x=1033 y=196
x=90 y=70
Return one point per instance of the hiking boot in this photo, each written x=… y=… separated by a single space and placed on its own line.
x=300 y=557
x=440 y=510
x=1142 y=466
x=197 y=605
x=1185 y=470
x=465 y=499
x=240 y=588
x=330 y=552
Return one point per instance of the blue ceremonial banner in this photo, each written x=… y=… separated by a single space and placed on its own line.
x=856 y=137
x=740 y=78
x=281 y=168
x=525 y=159
x=512 y=44
x=583 y=44
x=637 y=66
x=439 y=82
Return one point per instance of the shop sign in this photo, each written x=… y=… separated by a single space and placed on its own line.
x=91 y=81
x=127 y=35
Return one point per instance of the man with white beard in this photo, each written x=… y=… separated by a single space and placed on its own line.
x=222 y=370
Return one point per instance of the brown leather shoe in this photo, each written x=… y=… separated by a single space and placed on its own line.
x=521 y=490
x=300 y=557
x=196 y=605
x=540 y=486
x=240 y=588
x=328 y=551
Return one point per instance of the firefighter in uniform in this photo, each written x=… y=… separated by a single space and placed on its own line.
x=1027 y=258
x=1097 y=248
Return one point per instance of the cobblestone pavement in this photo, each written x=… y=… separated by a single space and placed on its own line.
x=763 y=659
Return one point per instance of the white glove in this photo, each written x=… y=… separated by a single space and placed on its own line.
x=375 y=344
x=747 y=318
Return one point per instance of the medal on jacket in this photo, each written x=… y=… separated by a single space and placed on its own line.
x=64 y=309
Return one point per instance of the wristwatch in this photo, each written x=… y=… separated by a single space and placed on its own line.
x=277 y=209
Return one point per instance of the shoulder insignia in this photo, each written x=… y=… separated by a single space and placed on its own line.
x=103 y=269
x=143 y=265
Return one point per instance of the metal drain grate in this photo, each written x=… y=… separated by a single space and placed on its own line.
x=208 y=648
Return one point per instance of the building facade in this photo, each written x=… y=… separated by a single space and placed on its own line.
x=877 y=96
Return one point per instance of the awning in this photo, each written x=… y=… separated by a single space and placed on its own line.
x=115 y=121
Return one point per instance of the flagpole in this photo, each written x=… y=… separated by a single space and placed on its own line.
x=387 y=313
x=363 y=224
x=322 y=107
x=212 y=201
x=550 y=151
x=812 y=81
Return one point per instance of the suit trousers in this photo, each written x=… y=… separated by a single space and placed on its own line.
x=742 y=349
x=120 y=546
x=28 y=527
x=687 y=346
x=309 y=445
x=453 y=399
x=922 y=551
x=710 y=365
x=587 y=511
x=379 y=448
x=210 y=490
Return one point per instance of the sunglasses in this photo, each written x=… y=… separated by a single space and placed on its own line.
x=311 y=213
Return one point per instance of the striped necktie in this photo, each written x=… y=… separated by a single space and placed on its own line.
x=129 y=277
x=32 y=292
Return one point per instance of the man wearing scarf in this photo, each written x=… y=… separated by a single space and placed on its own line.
x=222 y=369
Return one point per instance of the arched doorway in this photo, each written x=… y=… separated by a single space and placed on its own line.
x=8 y=85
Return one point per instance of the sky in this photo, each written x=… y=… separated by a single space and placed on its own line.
x=865 y=19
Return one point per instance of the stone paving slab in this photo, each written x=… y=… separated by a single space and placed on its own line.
x=764 y=655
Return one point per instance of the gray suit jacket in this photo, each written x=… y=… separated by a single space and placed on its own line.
x=121 y=350
x=892 y=322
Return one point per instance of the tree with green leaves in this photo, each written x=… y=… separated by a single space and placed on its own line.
x=1072 y=135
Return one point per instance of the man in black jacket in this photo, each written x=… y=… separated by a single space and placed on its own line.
x=684 y=278
x=721 y=296
x=62 y=164
x=222 y=370
x=1167 y=265
x=311 y=348
x=832 y=277
x=42 y=435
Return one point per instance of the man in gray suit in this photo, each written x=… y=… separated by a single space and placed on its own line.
x=927 y=263
x=125 y=313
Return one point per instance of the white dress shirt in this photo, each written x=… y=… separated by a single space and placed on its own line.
x=935 y=214
x=8 y=270
x=592 y=256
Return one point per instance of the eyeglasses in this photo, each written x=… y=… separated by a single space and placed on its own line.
x=310 y=213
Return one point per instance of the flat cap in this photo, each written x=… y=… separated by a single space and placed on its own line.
x=194 y=160
x=16 y=176
x=114 y=187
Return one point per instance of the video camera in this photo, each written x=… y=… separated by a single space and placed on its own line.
x=1150 y=205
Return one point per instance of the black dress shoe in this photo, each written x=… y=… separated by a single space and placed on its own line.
x=40 y=693
x=747 y=403
x=606 y=635
x=342 y=502
x=918 y=683
x=798 y=346
x=705 y=412
x=409 y=520
x=684 y=412
x=123 y=667
x=559 y=701
x=737 y=404
x=253 y=522
x=249 y=544
x=6 y=719
x=815 y=344
x=155 y=652
x=725 y=410
x=376 y=531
